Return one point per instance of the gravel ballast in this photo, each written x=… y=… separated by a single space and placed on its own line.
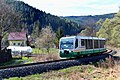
x=40 y=68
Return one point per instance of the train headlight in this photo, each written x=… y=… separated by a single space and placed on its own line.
x=61 y=51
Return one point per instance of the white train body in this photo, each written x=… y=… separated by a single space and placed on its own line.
x=73 y=46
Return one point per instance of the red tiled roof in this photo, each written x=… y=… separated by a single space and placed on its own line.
x=17 y=36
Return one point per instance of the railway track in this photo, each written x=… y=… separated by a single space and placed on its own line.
x=40 y=67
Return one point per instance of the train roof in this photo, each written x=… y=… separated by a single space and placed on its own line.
x=83 y=37
x=68 y=37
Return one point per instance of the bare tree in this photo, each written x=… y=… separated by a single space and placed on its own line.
x=87 y=32
x=9 y=19
x=46 y=38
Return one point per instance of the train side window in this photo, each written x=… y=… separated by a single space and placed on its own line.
x=76 y=43
x=82 y=42
x=86 y=43
x=96 y=44
x=101 y=44
x=91 y=44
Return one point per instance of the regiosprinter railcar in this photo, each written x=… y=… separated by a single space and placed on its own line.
x=76 y=46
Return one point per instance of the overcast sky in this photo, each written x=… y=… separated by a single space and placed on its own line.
x=75 y=7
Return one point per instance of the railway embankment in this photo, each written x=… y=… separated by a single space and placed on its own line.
x=21 y=71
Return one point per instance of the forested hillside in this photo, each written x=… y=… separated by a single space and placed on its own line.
x=32 y=17
x=89 y=20
x=110 y=29
x=71 y=24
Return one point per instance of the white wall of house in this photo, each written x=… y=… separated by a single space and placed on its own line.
x=17 y=43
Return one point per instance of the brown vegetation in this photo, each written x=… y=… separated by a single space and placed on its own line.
x=45 y=39
x=45 y=57
x=103 y=70
x=109 y=71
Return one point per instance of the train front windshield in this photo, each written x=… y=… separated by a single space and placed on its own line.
x=66 y=43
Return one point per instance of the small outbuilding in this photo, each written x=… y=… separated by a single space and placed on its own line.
x=17 y=39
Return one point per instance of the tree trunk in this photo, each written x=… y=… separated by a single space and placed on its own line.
x=0 y=42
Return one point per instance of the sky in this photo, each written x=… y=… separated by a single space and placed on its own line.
x=75 y=7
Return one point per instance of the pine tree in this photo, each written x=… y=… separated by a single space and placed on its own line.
x=36 y=29
x=59 y=34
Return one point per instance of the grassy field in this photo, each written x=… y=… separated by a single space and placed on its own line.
x=103 y=70
x=44 y=56
x=43 y=51
x=16 y=61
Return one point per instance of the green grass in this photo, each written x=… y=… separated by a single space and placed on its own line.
x=17 y=61
x=36 y=51
x=43 y=51
x=29 y=60
x=11 y=62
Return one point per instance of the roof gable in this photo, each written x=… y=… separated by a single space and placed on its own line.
x=17 y=36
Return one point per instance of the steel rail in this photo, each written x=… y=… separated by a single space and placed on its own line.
x=40 y=67
x=22 y=65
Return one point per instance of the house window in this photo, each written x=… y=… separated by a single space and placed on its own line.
x=14 y=43
x=18 y=44
x=22 y=44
